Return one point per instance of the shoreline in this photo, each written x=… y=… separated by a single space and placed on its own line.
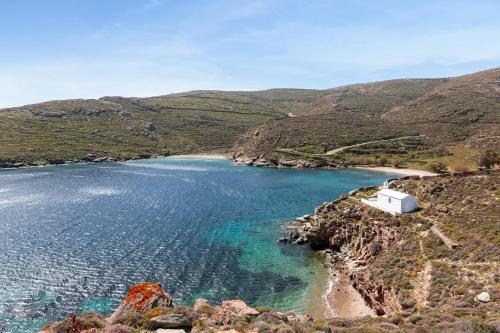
x=198 y=156
x=402 y=171
x=180 y=156
x=399 y=171
x=342 y=300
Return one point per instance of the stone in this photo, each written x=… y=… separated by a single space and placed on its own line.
x=170 y=330
x=238 y=308
x=283 y=240
x=124 y=114
x=141 y=298
x=300 y=241
x=175 y=320
x=294 y=235
x=442 y=209
x=200 y=304
x=483 y=297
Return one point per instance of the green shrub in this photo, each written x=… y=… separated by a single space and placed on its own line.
x=438 y=167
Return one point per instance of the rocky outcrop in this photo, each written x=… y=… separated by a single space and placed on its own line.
x=356 y=235
x=172 y=321
x=88 y=158
x=237 y=308
x=400 y=264
x=141 y=298
x=281 y=163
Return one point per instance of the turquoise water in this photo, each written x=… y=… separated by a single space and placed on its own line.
x=74 y=238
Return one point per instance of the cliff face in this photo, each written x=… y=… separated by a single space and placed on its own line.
x=439 y=258
x=358 y=235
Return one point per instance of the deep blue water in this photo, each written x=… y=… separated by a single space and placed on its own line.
x=74 y=238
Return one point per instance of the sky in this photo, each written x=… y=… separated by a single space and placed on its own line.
x=60 y=49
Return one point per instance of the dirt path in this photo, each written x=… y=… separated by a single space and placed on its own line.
x=423 y=285
x=338 y=150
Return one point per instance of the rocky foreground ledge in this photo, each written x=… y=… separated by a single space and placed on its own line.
x=148 y=308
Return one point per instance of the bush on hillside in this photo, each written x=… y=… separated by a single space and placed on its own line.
x=438 y=167
x=488 y=159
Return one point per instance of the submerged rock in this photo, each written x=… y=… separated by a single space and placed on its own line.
x=300 y=241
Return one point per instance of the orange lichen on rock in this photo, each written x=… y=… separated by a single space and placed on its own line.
x=140 y=294
x=141 y=298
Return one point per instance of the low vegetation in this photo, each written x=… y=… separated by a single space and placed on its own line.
x=402 y=266
x=428 y=115
x=445 y=125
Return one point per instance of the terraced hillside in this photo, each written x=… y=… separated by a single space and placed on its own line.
x=130 y=127
x=271 y=123
x=450 y=120
x=460 y=108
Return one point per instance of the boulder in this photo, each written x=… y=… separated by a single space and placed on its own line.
x=170 y=330
x=483 y=297
x=141 y=298
x=200 y=304
x=294 y=235
x=175 y=320
x=300 y=241
x=124 y=114
x=238 y=308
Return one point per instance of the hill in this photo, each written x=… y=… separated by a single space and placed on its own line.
x=131 y=127
x=426 y=121
x=461 y=108
x=428 y=115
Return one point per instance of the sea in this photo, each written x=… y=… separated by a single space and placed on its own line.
x=74 y=238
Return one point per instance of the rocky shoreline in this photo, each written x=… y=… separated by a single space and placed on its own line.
x=339 y=230
x=89 y=158
x=261 y=161
x=148 y=308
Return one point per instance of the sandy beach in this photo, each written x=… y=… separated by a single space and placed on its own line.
x=202 y=156
x=404 y=172
x=342 y=300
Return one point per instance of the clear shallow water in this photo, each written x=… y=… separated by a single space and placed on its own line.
x=74 y=238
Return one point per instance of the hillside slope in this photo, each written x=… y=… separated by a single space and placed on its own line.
x=270 y=123
x=444 y=116
x=456 y=110
x=130 y=127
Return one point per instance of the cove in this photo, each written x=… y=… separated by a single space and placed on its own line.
x=74 y=238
